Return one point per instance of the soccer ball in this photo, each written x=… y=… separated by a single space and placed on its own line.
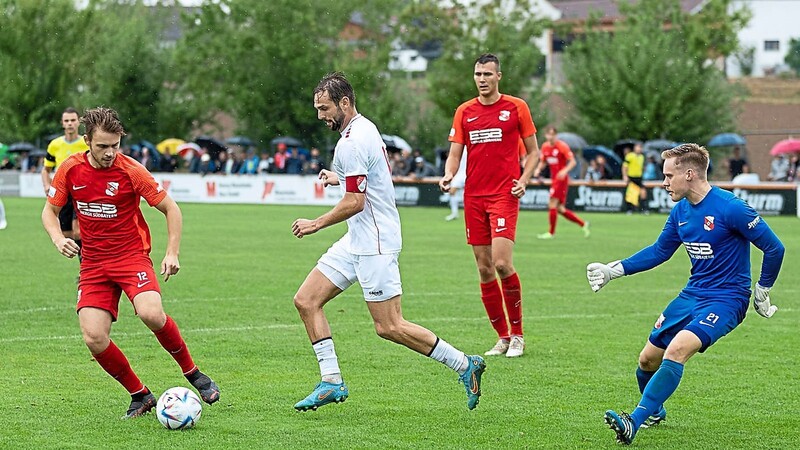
x=178 y=408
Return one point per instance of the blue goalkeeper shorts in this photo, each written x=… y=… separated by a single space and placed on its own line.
x=709 y=320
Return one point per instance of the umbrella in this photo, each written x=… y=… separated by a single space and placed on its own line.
x=188 y=148
x=169 y=146
x=656 y=146
x=622 y=144
x=240 y=140
x=395 y=143
x=20 y=147
x=286 y=140
x=613 y=161
x=575 y=142
x=659 y=145
x=149 y=145
x=782 y=147
x=37 y=153
x=726 y=140
x=213 y=146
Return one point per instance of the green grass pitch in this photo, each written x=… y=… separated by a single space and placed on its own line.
x=233 y=302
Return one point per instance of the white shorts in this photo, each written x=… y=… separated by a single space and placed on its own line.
x=378 y=275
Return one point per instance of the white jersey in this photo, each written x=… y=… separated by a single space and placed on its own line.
x=361 y=151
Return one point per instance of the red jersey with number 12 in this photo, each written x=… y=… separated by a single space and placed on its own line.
x=491 y=134
x=107 y=205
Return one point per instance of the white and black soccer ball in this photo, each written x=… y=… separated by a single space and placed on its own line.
x=178 y=408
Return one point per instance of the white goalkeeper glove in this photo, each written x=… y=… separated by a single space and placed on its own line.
x=600 y=274
x=761 y=301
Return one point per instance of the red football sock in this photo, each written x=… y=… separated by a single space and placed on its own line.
x=512 y=297
x=572 y=217
x=170 y=338
x=553 y=218
x=492 y=299
x=114 y=362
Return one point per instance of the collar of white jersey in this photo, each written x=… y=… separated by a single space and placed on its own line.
x=350 y=124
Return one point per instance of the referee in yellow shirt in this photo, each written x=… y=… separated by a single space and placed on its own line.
x=58 y=150
x=632 y=170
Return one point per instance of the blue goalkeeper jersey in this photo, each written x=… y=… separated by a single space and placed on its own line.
x=716 y=234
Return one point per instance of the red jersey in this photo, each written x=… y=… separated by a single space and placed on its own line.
x=492 y=134
x=556 y=155
x=107 y=205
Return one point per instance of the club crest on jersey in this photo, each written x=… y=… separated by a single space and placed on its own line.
x=112 y=187
x=361 y=183
x=504 y=115
x=708 y=223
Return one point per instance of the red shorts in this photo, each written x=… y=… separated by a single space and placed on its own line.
x=559 y=190
x=101 y=285
x=488 y=217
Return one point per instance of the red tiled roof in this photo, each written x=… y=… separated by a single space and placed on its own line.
x=579 y=10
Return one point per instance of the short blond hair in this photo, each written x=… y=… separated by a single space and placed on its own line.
x=692 y=155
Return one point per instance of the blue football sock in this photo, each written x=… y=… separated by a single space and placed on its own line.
x=658 y=390
x=643 y=377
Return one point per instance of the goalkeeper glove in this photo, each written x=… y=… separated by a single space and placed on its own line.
x=761 y=301
x=600 y=274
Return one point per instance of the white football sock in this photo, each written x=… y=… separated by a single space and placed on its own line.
x=449 y=356
x=328 y=362
x=454 y=204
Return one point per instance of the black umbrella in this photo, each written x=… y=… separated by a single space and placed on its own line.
x=37 y=153
x=286 y=140
x=19 y=147
x=395 y=143
x=575 y=142
x=622 y=144
x=240 y=140
x=655 y=147
x=213 y=146
x=613 y=161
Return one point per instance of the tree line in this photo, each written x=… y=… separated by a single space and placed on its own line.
x=259 y=62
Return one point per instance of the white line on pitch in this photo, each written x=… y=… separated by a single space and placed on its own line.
x=299 y=325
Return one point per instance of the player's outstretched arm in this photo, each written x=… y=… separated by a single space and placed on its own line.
x=65 y=245
x=170 y=264
x=600 y=274
x=351 y=204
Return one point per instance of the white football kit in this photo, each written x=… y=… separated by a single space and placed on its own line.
x=460 y=177
x=368 y=252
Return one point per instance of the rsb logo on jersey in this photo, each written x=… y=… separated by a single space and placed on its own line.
x=699 y=250
x=361 y=183
x=484 y=136
x=708 y=223
x=505 y=115
x=112 y=187
x=99 y=210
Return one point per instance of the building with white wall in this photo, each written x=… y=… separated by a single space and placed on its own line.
x=773 y=24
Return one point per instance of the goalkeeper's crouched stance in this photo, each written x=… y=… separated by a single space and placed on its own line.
x=716 y=229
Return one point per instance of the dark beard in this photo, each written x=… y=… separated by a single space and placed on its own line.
x=338 y=121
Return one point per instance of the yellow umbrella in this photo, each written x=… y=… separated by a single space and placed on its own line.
x=169 y=146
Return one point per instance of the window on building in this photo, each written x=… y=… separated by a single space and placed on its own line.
x=772 y=46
